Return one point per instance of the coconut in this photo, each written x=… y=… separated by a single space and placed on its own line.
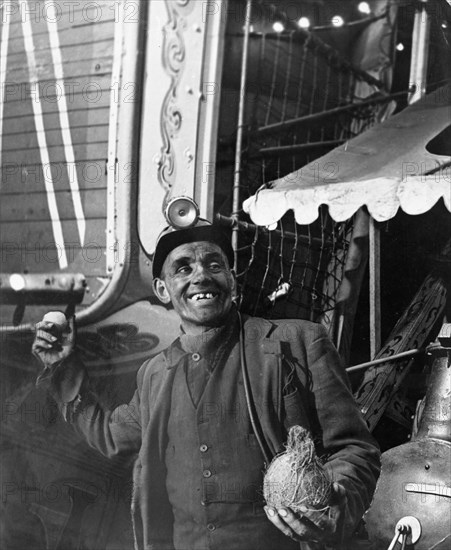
x=296 y=478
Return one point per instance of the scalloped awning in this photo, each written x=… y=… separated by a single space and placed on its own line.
x=383 y=168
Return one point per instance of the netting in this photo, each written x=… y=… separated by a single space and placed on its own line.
x=303 y=102
x=294 y=271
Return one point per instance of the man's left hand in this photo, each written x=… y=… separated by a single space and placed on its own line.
x=312 y=525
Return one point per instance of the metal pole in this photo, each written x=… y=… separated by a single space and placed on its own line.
x=239 y=134
x=314 y=117
x=417 y=80
x=396 y=357
x=228 y=221
x=351 y=282
x=419 y=55
x=374 y=288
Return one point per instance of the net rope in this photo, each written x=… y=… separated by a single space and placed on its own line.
x=295 y=271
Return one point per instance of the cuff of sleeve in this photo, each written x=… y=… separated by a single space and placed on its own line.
x=346 y=522
x=71 y=409
x=64 y=379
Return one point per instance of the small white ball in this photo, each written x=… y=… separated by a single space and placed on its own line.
x=57 y=318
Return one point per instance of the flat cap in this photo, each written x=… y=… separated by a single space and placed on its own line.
x=171 y=238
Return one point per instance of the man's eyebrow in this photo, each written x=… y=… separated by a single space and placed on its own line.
x=182 y=261
x=214 y=256
x=186 y=260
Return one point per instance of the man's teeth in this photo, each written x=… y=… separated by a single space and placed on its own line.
x=203 y=296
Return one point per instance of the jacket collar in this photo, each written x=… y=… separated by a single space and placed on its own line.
x=255 y=328
x=174 y=354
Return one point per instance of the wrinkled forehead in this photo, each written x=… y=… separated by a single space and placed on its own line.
x=198 y=250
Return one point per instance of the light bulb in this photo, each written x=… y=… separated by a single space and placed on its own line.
x=364 y=7
x=17 y=282
x=278 y=26
x=337 y=21
x=304 y=23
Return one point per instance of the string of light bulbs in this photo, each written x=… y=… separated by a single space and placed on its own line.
x=336 y=21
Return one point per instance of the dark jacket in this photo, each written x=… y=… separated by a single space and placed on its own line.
x=319 y=399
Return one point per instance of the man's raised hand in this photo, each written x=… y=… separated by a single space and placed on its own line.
x=53 y=341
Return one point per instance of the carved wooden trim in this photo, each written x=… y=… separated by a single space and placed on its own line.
x=413 y=330
x=173 y=61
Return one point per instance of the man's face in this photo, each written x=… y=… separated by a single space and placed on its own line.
x=197 y=280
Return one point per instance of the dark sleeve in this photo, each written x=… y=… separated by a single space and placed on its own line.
x=112 y=432
x=352 y=455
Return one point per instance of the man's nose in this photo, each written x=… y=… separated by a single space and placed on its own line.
x=200 y=274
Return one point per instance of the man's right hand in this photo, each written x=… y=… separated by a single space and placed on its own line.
x=51 y=345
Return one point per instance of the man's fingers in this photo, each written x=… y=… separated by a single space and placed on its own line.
x=44 y=325
x=320 y=520
x=339 y=495
x=44 y=342
x=299 y=524
x=42 y=346
x=43 y=336
x=275 y=519
x=291 y=525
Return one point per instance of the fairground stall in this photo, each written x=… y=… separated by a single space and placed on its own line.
x=317 y=131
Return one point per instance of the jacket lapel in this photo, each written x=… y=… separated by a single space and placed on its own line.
x=268 y=372
x=263 y=362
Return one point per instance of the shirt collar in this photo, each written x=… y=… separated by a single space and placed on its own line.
x=173 y=354
x=204 y=343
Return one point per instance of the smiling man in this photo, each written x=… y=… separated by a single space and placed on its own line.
x=196 y=279
x=210 y=410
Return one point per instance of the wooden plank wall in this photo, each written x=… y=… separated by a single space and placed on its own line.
x=32 y=39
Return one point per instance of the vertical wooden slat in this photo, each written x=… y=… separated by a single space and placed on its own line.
x=3 y=65
x=111 y=237
x=239 y=134
x=38 y=111
x=374 y=288
x=205 y=172
x=419 y=55
x=348 y=294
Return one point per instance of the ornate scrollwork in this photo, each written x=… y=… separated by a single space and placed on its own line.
x=121 y=340
x=173 y=59
x=412 y=331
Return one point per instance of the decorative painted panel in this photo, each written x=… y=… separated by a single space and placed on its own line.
x=57 y=96
x=179 y=39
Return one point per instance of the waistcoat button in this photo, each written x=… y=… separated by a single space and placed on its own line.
x=211 y=527
x=203 y=448
x=206 y=473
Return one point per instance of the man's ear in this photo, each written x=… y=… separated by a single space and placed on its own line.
x=161 y=292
